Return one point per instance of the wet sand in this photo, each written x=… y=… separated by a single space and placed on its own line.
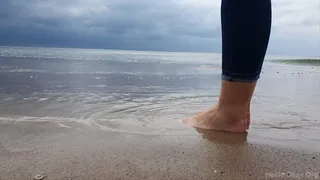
x=75 y=151
x=101 y=114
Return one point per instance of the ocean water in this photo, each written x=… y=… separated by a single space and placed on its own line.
x=151 y=92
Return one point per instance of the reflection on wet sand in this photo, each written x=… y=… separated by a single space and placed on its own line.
x=222 y=137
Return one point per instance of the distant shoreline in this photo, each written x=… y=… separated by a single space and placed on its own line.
x=110 y=49
x=313 y=62
x=268 y=56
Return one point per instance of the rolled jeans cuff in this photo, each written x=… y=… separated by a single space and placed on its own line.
x=238 y=77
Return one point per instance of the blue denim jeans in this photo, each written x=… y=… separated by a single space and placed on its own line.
x=246 y=26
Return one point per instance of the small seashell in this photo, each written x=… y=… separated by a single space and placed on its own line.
x=39 y=177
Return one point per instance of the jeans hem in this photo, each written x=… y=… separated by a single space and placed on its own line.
x=239 y=79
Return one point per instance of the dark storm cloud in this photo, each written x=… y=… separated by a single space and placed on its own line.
x=119 y=24
x=179 y=25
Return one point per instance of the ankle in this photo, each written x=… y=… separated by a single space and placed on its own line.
x=236 y=95
x=233 y=112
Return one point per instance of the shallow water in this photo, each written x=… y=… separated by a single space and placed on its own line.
x=150 y=92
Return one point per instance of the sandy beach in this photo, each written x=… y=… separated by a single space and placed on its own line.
x=118 y=89
x=74 y=151
x=101 y=114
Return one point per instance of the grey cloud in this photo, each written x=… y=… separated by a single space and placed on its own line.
x=124 y=24
x=181 y=25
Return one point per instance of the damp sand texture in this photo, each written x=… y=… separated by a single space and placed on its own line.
x=100 y=114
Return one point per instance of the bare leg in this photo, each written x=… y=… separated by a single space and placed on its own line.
x=248 y=119
x=246 y=29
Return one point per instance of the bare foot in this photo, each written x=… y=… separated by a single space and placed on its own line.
x=216 y=119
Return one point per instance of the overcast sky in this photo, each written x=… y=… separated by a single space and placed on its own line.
x=170 y=25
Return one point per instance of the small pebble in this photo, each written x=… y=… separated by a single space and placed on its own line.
x=313 y=157
x=39 y=177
